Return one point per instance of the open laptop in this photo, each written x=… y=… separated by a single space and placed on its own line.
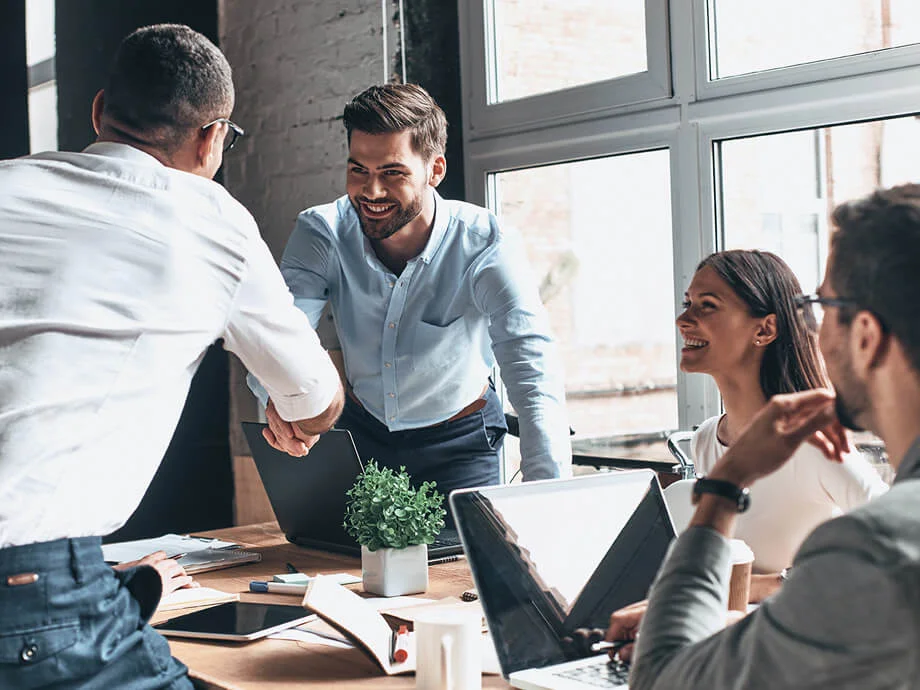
x=552 y=556
x=308 y=494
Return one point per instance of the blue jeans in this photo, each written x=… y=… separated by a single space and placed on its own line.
x=68 y=620
x=457 y=454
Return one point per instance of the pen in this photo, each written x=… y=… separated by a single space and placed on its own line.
x=604 y=646
x=290 y=568
x=277 y=587
x=400 y=644
x=444 y=559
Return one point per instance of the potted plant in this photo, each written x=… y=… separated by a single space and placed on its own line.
x=393 y=522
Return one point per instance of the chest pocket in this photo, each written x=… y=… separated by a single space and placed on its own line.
x=436 y=346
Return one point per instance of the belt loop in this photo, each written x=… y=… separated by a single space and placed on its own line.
x=75 y=568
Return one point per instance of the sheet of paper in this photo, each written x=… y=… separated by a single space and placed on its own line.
x=299 y=634
x=172 y=544
x=189 y=597
x=303 y=578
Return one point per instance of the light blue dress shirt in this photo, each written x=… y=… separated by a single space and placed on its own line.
x=419 y=347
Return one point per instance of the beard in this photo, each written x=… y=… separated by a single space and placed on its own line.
x=375 y=229
x=852 y=401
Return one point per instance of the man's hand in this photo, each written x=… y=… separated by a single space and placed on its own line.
x=281 y=435
x=624 y=625
x=777 y=431
x=298 y=437
x=172 y=574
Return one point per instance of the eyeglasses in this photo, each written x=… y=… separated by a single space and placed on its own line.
x=234 y=133
x=802 y=300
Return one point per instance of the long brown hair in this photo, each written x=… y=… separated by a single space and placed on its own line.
x=767 y=285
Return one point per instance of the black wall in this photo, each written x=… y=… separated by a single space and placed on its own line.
x=433 y=61
x=193 y=489
x=14 y=84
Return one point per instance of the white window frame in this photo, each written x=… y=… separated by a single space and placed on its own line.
x=688 y=116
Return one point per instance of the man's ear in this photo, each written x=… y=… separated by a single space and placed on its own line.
x=98 y=107
x=869 y=344
x=766 y=333
x=438 y=170
x=209 y=143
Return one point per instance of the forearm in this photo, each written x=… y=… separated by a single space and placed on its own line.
x=687 y=604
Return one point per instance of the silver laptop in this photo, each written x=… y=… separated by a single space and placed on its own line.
x=553 y=556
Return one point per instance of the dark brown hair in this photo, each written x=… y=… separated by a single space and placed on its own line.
x=165 y=81
x=396 y=108
x=876 y=262
x=767 y=285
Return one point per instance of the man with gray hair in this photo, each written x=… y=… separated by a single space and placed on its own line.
x=120 y=266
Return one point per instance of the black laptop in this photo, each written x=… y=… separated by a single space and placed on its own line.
x=552 y=556
x=308 y=494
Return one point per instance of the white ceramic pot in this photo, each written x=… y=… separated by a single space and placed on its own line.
x=394 y=572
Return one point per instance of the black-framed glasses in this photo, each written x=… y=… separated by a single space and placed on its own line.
x=234 y=133
x=802 y=300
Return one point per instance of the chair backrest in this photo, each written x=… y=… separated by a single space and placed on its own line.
x=678 y=498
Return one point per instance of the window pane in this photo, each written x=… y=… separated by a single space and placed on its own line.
x=778 y=192
x=598 y=235
x=43 y=119
x=39 y=30
x=754 y=35
x=548 y=45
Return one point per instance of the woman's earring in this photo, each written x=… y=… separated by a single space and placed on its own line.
x=757 y=342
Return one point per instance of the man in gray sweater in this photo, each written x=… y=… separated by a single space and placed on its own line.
x=849 y=614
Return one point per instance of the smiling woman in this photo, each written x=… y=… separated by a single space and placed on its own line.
x=741 y=324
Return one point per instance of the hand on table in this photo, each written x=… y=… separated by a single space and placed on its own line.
x=172 y=575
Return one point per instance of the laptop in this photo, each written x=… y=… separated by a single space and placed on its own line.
x=552 y=556
x=308 y=494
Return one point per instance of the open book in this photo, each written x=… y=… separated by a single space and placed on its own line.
x=360 y=621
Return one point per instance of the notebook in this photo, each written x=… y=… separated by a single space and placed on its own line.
x=194 y=554
x=308 y=493
x=552 y=556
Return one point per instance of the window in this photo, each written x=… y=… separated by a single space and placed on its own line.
x=598 y=234
x=751 y=35
x=43 y=119
x=747 y=123
x=547 y=46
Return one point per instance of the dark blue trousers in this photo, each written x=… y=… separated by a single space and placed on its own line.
x=68 y=620
x=458 y=454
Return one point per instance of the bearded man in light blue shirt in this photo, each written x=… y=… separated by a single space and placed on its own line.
x=427 y=295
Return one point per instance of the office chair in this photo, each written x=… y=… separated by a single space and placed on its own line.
x=684 y=467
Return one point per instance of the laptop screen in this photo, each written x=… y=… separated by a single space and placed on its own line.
x=550 y=557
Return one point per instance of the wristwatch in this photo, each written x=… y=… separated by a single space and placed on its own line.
x=733 y=492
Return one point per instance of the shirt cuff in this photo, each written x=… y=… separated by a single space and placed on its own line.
x=292 y=408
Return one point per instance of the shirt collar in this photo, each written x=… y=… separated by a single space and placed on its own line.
x=112 y=149
x=441 y=221
x=910 y=463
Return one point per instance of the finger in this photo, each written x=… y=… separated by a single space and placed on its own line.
x=153 y=558
x=623 y=653
x=804 y=422
x=293 y=447
x=821 y=442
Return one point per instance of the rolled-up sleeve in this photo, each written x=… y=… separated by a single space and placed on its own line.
x=276 y=342
x=840 y=621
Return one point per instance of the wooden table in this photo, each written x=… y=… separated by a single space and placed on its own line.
x=269 y=664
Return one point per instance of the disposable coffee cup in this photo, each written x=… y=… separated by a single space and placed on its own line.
x=739 y=585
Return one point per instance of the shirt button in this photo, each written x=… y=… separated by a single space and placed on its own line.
x=392 y=417
x=392 y=324
x=392 y=395
x=390 y=284
x=28 y=652
x=387 y=365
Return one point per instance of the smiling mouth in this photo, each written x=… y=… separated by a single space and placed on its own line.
x=694 y=343
x=376 y=210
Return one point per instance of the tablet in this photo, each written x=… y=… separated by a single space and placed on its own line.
x=235 y=620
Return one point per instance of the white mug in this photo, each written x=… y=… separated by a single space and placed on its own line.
x=448 y=650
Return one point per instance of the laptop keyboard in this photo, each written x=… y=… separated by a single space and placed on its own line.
x=604 y=674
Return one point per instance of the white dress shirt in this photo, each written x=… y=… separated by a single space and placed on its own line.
x=116 y=274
